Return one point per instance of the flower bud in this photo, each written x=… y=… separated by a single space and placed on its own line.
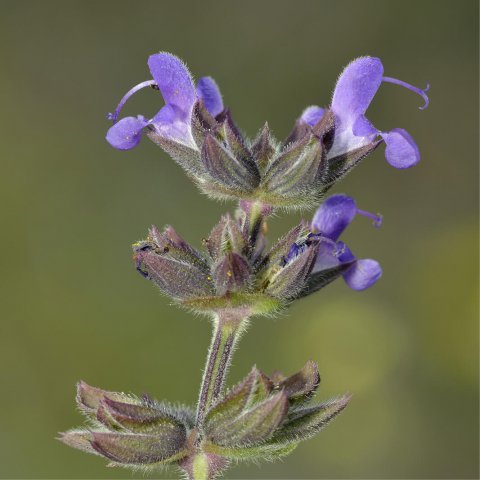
x=231 y=273
x=266 y=417
x=229 y=175
x=288 y=281
x=203 y=123
x=263 y=148
x=254 y=425
x=300 y=386
x=129 y=430
x=176 y=277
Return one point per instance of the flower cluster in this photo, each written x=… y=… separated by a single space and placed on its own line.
x=195 y=129
x=238 y=271
x=237 y=274
x=260 y=417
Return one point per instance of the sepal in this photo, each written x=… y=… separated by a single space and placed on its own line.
x=301 y=386
x=140 y=417
x=263 y=148
x=173 y=265
x=295 y=171
x=79 y=438
x=299 y=131
x=304 y=423
x=175 y=277
x=88 y=398
x=279 y=251
x=229 y=176
x=290 y=279
x=171 y=243
x=187 y=156
x=318 y=280
x=265 y=417
x=340 y=165
x=140 y=449
x=130 y=431
x=236 y=144
x=324 y=129
x=253 y=425
x=268 y=451
x=234 y=402
x=203 y=123
x=231 y=274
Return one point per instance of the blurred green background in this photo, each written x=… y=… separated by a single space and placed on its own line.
x=73 y=306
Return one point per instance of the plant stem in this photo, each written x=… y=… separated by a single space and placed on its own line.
x=228 y=326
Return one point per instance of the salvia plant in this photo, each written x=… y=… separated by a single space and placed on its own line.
x=236 y=275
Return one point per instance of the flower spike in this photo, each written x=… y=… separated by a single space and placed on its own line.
x=237 y=276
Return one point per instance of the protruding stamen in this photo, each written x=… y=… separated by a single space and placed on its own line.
x=377 y=219
x=149 y=83
x=417 y=90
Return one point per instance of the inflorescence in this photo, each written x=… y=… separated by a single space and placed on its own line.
x=236 y=275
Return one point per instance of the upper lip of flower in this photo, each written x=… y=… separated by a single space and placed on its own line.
x=172 y=78
x=354 y=91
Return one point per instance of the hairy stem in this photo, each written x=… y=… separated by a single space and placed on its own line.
x=228 y=326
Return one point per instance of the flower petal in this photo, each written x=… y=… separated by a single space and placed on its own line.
x=326 y=257
x=401 y=151
x=126 y=133
x=208 y=91
x=312 y=115
x=355 y=89
x=173 y=80
x=345 y=254
x=334 y=215
x=170 y=123
x=363 y=274
x=363 y=127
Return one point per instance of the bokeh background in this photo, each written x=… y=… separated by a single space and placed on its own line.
x=73 y=307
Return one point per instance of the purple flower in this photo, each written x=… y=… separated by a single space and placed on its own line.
x=173 y=121
x=329 y=221
x=355 y=89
